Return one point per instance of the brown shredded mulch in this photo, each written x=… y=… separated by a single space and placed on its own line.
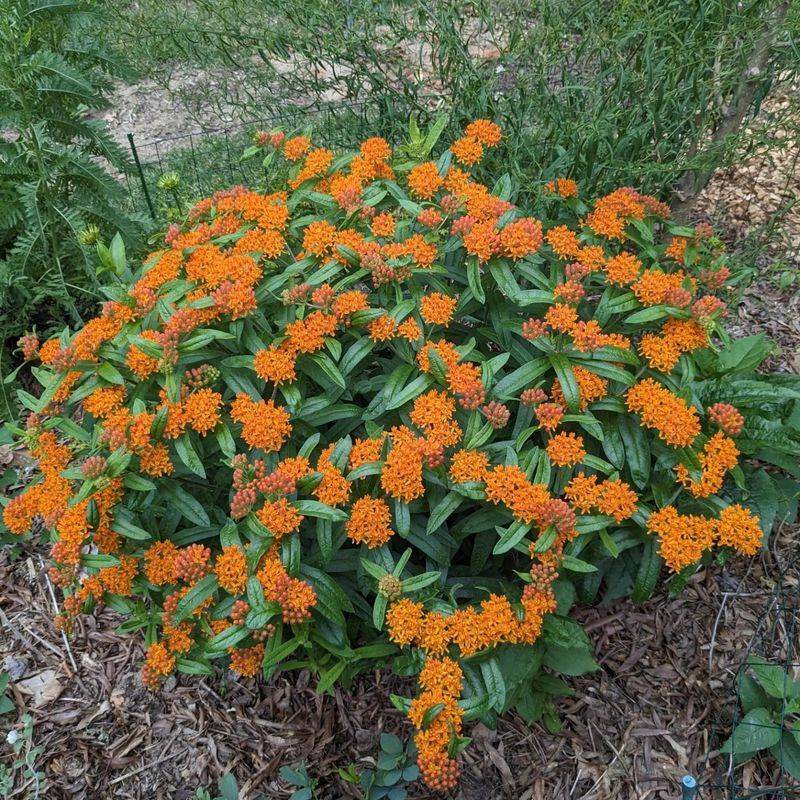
x=631 y=731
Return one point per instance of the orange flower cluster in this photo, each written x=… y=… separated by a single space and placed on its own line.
x=677 y=336
x=674 y=419
x=369 y=522
x=684 y=538
x=719 y=455
x=264 y=424
x=614 y=498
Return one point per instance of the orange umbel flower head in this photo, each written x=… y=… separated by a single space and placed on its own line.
x=468 y=465
x=275 y=365
x=683 y=538
x=467 y=150
x=566 y=449
x=565 y=187
x=264 y=424
x=488 y=133
x=202 y=410
x=404 y=621
x=231 y=569
x=738 y=528
x=159 y=562
x=437 y=308
x=369 y=522
x=159 y=663
x=424 y=180
x=192 y=563
x=521 y=238
x=564 y=242
x=674 y=419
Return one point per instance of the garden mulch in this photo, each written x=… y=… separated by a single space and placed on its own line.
x=655 y=710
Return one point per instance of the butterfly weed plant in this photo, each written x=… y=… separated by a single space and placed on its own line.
x=382 y=416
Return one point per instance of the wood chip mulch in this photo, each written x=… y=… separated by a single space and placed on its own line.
x=656 y=710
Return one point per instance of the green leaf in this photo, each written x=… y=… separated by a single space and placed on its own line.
x=495 y=684
x=569 y=661
x=566 y=378
x=195 y=597
x=420 y=581
x=188 y=455
x=637 y=449
x=474 y=279
x=522 y=377
x=443 y=509
x=773 y=679
x=648 y=572
x=757 y=731
x=313 y=508
x=189 y=506
x=510 y=537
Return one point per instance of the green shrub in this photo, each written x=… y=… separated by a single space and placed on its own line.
x=57 y=195
x=384 y=417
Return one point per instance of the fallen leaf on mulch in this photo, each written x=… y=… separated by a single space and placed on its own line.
x=43 y=687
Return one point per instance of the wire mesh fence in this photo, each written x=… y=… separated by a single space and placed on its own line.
x=207 y=160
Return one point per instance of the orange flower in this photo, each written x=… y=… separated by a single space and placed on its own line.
x=318 y=237
x=566 y=449
x=564 y=242
x=565 y=187
x=719 y=455
x=247 y=660
x=369 y=522
x=280 y=517
x=404 y=621
x=485 y=131
x=296 y=147
x=521 y=238
x=738 y=528
x=623 y=269
x=159 y=562
x=468 y=465
x=383 y=225
x=617 y=499
x=424 y=180
x=670 y=415
x=383 y=329
x=264 y=424
x=275 y=365
x=437 y=308
x=683 y=538
x=482 y=240
x=561 y=318
x=467 y=150
x=365 y=451
x=231 y=569
x=583 y=492
x=402 y=473
x=202 y=410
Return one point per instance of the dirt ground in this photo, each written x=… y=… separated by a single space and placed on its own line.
x=657 y=710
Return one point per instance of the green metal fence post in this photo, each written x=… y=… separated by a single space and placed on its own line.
x=141 y=176
x=689 y=787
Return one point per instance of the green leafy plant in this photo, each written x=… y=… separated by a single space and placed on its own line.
x=22 y=775
x=302 y=780
x=770 y=701
x=227 y=787
x=57 y=194
x=382 y=416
